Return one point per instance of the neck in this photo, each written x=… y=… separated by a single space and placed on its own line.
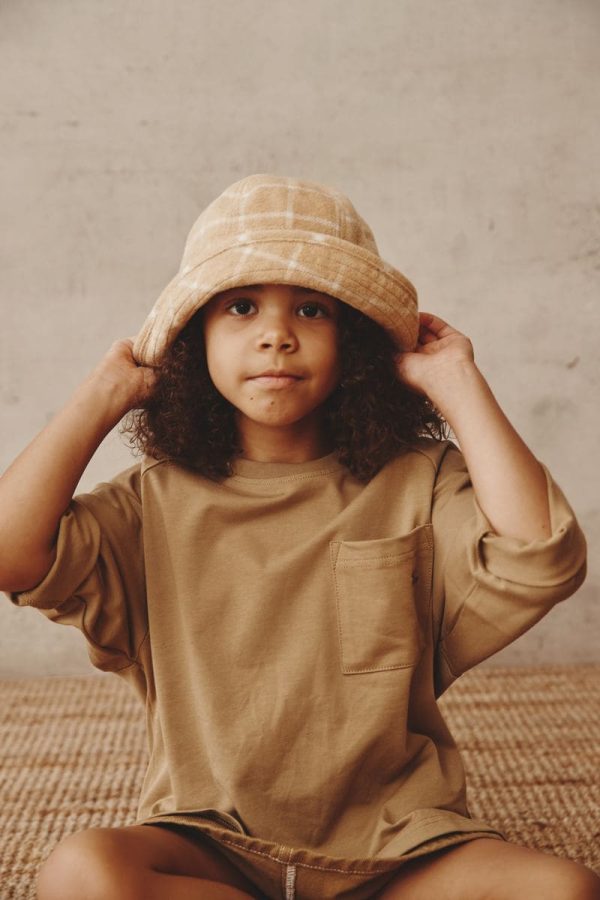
x=289 y=444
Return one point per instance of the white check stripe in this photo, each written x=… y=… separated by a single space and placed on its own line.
x=268 y=216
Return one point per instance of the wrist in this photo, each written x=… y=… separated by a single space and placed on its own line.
x=103 y=399
x=452 y=386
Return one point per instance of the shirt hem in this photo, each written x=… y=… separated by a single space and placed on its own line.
x=426 y=836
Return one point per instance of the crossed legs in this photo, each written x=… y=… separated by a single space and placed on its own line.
x=139 y=862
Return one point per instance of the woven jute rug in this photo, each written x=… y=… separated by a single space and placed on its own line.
x=73 y=756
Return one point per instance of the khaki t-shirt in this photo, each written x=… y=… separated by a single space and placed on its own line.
x=289 y=629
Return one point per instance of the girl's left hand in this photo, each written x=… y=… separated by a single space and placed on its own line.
x=438 y=347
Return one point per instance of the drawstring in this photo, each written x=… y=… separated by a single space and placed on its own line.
x=290 y=882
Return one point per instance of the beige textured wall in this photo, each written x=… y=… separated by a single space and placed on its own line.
x=465 y=132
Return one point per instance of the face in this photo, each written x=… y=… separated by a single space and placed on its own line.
x=253 y=329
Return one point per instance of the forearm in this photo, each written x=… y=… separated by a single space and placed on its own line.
x=508 y=481
x=37 y=487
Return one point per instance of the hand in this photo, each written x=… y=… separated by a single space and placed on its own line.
x=123 y=375
x=439 y=347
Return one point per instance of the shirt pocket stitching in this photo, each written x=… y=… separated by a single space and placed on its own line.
x=419 y=557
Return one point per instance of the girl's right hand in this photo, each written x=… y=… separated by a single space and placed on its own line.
x=133 y=384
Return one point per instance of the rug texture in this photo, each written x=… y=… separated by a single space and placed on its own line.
x=73 y=756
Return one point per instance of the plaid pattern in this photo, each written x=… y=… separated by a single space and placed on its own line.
x=274 y=229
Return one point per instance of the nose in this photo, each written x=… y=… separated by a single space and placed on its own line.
x=276 y=331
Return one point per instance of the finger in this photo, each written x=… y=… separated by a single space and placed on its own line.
x=426 y=334
x=436 y=325
x=430 y=320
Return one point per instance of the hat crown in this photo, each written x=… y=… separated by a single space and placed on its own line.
x=271 y=229
x=264 y=203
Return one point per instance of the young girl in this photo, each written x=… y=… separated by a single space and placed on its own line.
x=299 y=566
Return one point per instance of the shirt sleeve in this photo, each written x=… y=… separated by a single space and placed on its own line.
x=97 y=581
x=488 y=589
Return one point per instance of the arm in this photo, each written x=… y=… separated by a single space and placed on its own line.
x=508 y=481
x=38 y=486
x=489 y=589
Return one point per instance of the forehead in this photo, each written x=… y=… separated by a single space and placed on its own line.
x=259 y=287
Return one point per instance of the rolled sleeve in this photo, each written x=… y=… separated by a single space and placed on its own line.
x=77 y=552
x=548 y=563
x=488 y=588
x=97 y=580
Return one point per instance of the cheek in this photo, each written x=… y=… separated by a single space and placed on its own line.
x=211 y=361
x=332 y=358
x=220 y=374
x=215 y=348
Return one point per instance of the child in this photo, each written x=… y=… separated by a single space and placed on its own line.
x=301 y=563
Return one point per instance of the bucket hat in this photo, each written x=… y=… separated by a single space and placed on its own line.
x=268 y=229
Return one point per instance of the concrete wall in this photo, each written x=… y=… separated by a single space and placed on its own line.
x=465 y=132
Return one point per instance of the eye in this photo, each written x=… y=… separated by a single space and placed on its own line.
x=316 y=308
x=243 y=303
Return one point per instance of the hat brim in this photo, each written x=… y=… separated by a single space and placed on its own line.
x=323 y=262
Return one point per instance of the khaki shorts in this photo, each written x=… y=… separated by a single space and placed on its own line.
x=294 y=874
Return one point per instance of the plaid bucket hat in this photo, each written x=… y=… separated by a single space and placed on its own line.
x=268 y=229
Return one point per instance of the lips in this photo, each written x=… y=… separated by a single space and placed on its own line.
x=277 y=373
x=276 y=379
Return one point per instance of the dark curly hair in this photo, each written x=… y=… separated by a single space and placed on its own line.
x=370 y=417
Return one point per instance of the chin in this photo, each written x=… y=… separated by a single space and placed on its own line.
x=275 y=418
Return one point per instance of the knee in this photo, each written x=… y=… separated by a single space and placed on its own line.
x=587 y=886
x=85 y=864
x=574 y=881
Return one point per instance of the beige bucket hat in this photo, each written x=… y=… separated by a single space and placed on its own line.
x=268 y=229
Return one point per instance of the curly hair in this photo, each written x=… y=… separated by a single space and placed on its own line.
x=370 y=417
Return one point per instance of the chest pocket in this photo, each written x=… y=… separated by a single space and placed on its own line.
x=382 y=590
